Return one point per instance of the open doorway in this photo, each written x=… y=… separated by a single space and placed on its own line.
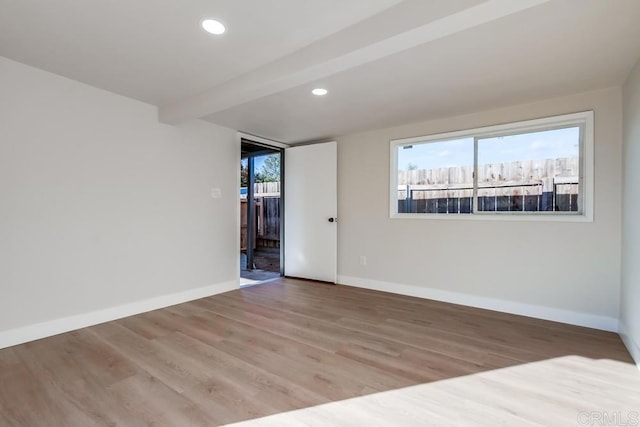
x=261 y=209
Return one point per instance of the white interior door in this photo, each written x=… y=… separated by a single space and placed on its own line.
x=311 y=207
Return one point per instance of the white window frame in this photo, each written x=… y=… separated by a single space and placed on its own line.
x=583 y=119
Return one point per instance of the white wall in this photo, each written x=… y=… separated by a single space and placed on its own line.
x=557 y=270
x=630 y=292
x=100 y=205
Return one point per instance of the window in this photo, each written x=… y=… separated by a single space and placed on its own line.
x=534 y=169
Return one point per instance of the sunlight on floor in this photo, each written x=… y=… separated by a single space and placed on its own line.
x=248 y=282
x=566 y=391
x=244 y=282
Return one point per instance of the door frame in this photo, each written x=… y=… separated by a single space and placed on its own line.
x=278 y=146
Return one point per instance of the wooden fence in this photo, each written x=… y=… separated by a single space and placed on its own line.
x=266 y=189
x=267 y=203
x=544 y=185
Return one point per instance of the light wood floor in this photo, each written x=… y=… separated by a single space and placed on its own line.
x=289 y=345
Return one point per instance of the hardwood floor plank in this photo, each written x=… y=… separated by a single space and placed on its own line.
x=239 y=388
x=40 y=398
x=152 y=402
x=302 y=353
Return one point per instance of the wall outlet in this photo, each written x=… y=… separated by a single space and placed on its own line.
x=363 y=260
x=216 y=193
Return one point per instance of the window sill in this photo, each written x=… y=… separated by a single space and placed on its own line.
x=497 y=217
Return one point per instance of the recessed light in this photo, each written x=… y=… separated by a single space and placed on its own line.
x=319 y=92
x=214 y=27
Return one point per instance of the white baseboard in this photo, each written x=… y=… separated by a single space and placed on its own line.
x=36 y=331
x=540 y=312
x=632 y=345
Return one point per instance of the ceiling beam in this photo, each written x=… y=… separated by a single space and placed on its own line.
x=394 y=30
